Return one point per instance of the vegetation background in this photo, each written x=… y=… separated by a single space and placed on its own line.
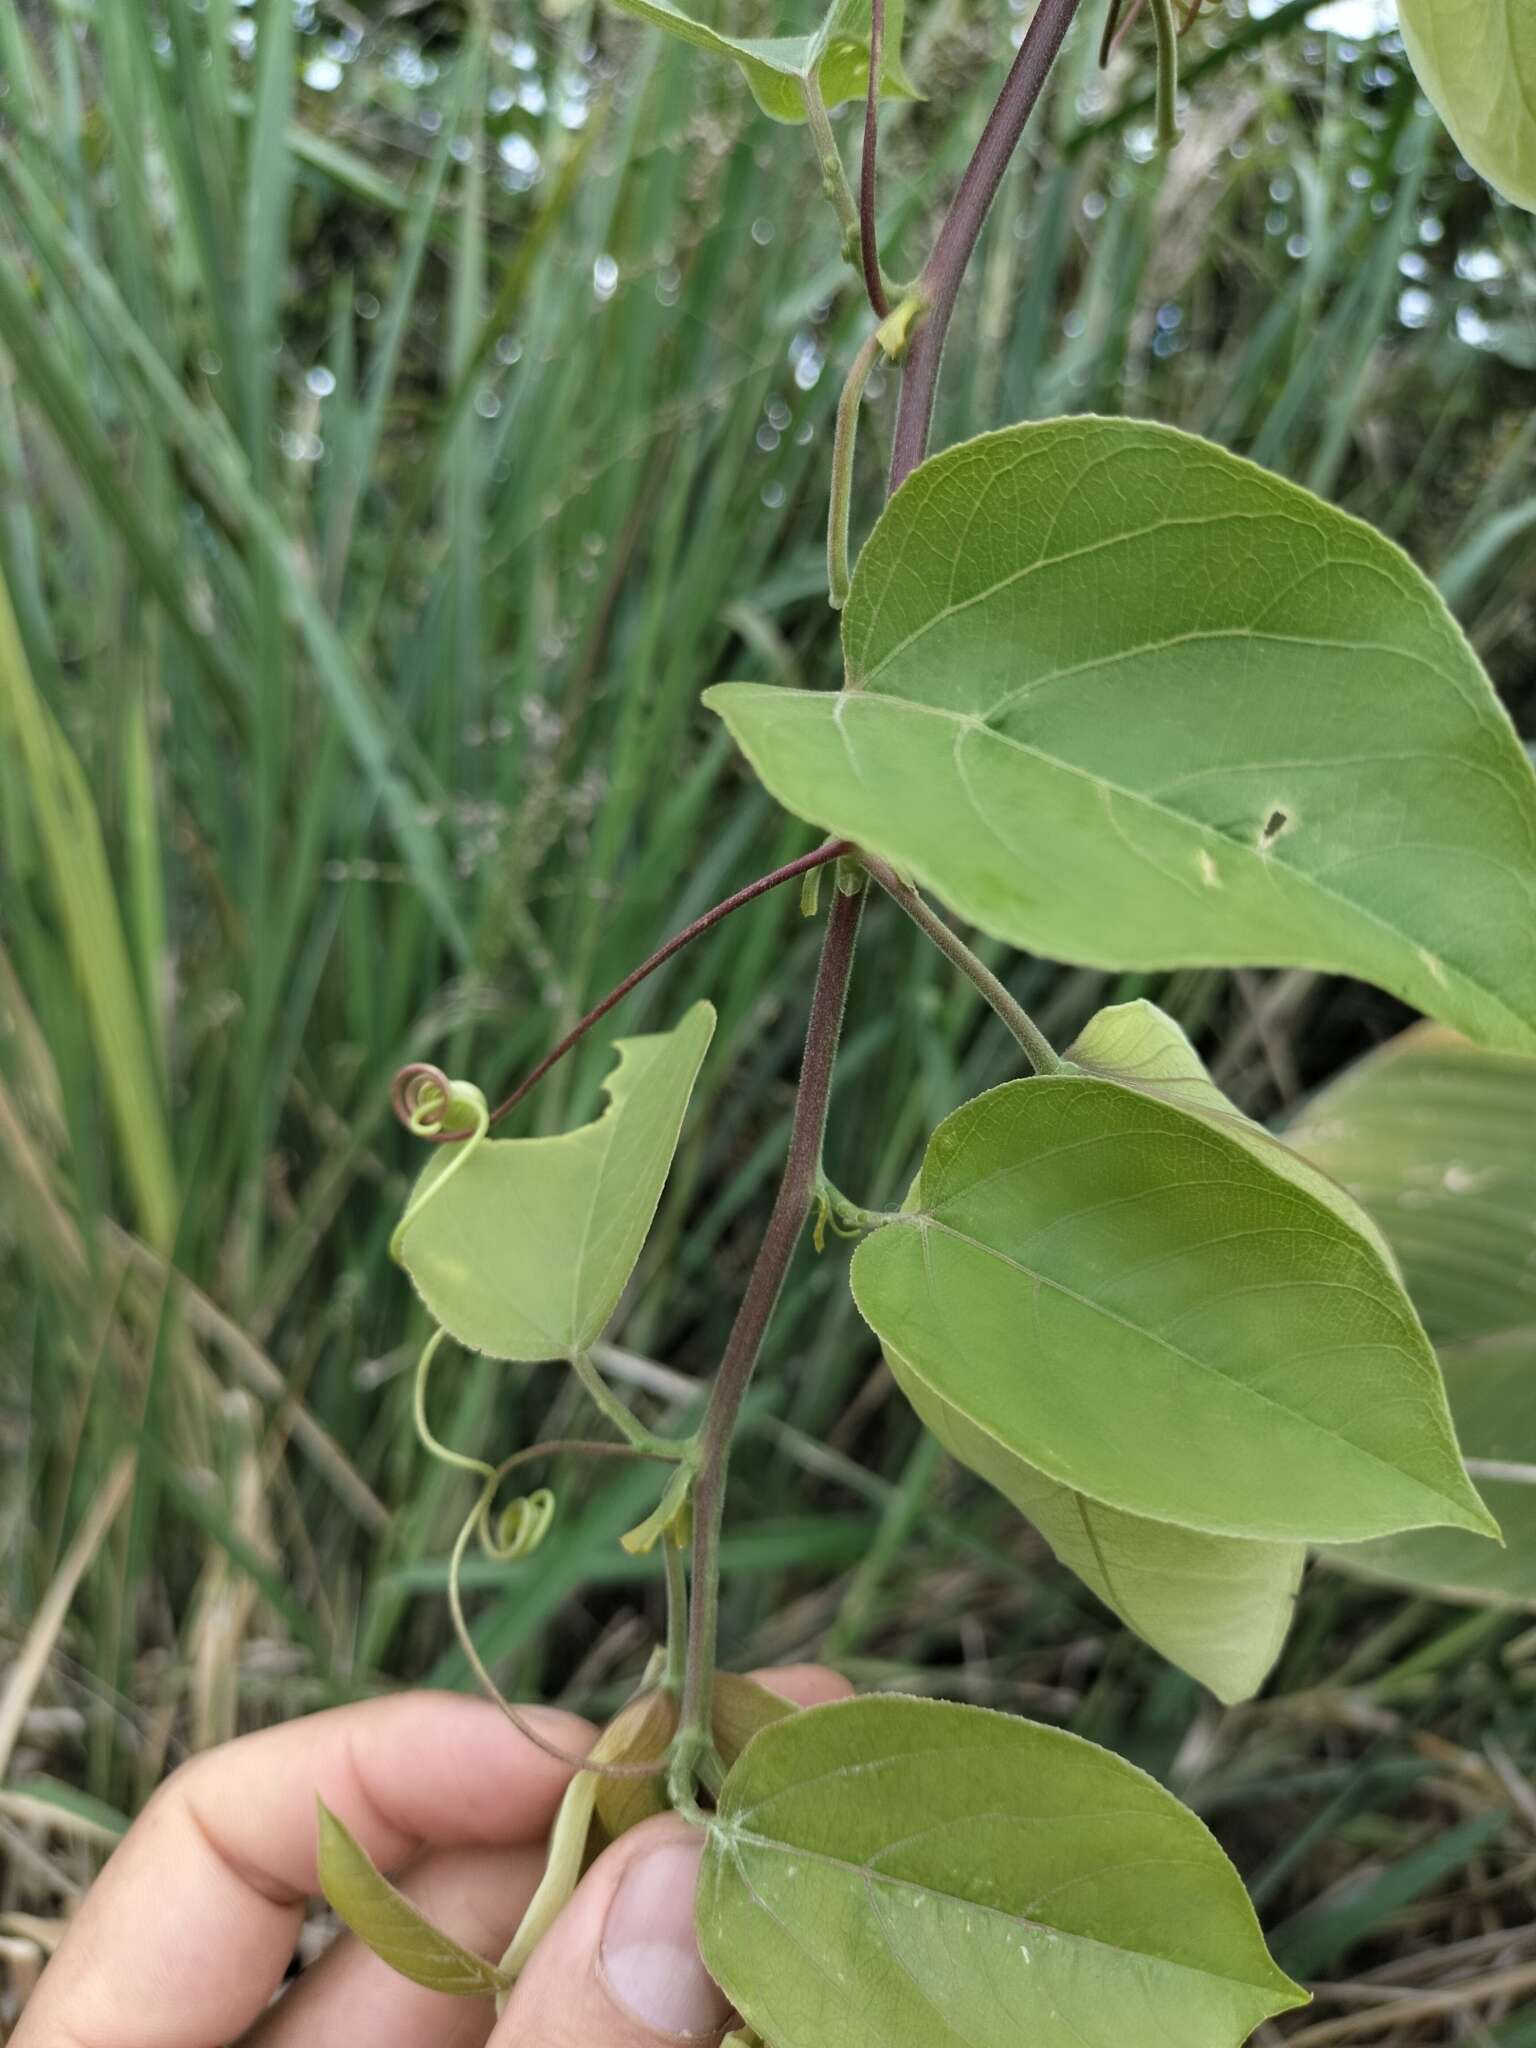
x=404 y=412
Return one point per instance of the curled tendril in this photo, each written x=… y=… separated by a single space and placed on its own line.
x=514 y=1534
x=520 y=1527
x=433 y=1107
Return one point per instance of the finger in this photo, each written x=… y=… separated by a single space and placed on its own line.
x=807 y=1685
x=187 y=1932
x=476 y=1895
x=620 y=1967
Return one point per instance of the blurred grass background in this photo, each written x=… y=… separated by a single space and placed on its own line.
x=405 y=410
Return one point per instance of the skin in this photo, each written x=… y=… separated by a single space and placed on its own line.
x=186 y=1936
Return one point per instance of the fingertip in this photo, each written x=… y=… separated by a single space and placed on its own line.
x=621 y=1968
x=805 y=1685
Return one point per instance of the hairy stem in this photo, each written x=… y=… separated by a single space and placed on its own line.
x=1036 y=1046
x=829 y=160
x=869 y=241
x=946 y=266
x=843 y=441
x=791 y=1208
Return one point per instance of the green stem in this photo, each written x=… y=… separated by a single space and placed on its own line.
x=1167 y=73
x=629 y=1427
x=1036 y=1046
x=677 y=1615
x=846 y=435
x=692 y=1749
x=829 y=161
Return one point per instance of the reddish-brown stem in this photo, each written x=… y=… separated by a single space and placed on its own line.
x=410 y=1078
x=941 y=277
x=869 y=241
x=791 y=1207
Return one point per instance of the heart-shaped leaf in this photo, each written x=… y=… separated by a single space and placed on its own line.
x=1127 y=700
x=1439 y=1138
x=524 y=1249
x=1476 y=59
x=898 y=1871
x=1217 y=1606
x=776 y=67
x=1142 y=1047
x=391 y=1926
x=1137 y=1304
x=1492 y=1387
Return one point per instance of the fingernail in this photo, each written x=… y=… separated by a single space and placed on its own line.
x=650 y=1957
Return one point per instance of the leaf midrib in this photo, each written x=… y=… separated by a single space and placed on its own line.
x=925 y=1222
x=734 y=1835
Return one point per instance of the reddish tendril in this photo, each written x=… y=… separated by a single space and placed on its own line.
x=411 y=1085
x=412 y=1081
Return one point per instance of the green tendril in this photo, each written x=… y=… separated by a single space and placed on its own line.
x=431 y=1112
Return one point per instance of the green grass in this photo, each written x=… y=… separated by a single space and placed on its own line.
x=372 y=513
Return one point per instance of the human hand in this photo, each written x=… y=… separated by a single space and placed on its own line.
x=186 y=1935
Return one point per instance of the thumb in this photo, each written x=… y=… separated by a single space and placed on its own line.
x=620 y=1968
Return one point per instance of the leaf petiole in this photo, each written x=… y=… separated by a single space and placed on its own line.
x=679 y=1450
x=1036 y=1046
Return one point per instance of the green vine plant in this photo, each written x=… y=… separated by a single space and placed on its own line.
x=1121 y=698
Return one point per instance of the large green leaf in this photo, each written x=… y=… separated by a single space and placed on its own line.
x=902 y=1873
x=1127 y=700
x=776 y=67
x=1492 y=1385
x=1439 y=1138
x=1477 y=61
x=1142 y=1308
x=391 y=1926
x=524 y=1250
x=1217 y=1606
x=1141 y=1046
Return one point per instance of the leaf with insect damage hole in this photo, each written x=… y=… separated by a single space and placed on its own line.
x=1122 y=698
x=1142 y=1308
x=836 y=55
x=525 y=1248
x=390 y=1925
x=1438 y=1139
x=1476 y=60
x=903 y=1873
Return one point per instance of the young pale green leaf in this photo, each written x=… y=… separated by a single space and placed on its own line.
x=1492 y=1385
x=1141 y=1046
x=1437 y=1138
x=391 y=1926
x=1127 y=700
x=902 y=1873
x=524 y=1250
x=1141 y=1307
x=1476 y=59
x=1217 y=1606
x=776 y=67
